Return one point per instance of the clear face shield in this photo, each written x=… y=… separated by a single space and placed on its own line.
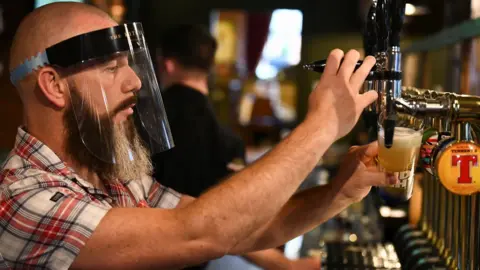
x=116 y=109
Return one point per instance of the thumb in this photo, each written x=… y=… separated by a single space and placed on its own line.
x=367 y=98
x=367 y=152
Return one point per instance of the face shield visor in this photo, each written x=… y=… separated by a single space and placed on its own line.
x=114 y=93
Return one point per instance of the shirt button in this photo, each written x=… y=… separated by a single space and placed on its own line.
x=109 y=200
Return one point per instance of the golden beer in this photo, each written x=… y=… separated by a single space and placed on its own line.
x=400 y=159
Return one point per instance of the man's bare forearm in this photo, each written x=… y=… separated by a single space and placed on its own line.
x=302 y=213
x=235 y=209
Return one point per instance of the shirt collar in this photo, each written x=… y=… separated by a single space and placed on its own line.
x=41 y=156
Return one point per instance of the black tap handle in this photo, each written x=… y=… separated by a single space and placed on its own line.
x=319 y=66
x=370 y=32
x=389 y=129
x=383 y=25
x=398 y=16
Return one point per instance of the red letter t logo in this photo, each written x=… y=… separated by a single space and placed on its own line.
x=464 y=167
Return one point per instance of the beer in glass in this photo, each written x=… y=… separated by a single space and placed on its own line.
x=401 y=159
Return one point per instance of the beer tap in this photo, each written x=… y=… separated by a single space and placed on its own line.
x=370 y=47
x=384 y=23
x=452 y=107
x=411 y=241
x=370 y=41
x=390 y=18
x=417 y=245
x=397 y=8
x=421 y=107
x=436 y=227
x=382 y=33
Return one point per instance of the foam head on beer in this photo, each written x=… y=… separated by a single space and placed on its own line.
x=402 y=156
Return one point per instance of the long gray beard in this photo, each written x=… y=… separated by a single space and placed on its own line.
x=132 y=159
x=122 y=142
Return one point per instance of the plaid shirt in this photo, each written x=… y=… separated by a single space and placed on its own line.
x=47 y=212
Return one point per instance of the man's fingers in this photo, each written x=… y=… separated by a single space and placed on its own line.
x=371 y=150
x=333 y=62
x=380 y=179
x=366 y=153
x=364 y=100
x=348 y=65
x=362 y=72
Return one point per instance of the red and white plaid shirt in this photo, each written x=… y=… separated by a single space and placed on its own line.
x=47 y=212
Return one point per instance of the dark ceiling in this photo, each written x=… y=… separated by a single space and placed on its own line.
x=320 y=16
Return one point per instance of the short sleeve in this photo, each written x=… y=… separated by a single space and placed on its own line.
x=45 y=228
x=159 y=196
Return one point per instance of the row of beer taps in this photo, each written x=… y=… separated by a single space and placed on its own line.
x=454 y=115
x=450 y=217
x=382 y=36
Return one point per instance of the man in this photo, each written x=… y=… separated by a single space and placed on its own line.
x=75 y=192
x=203 y=150
x=205 y=153
x=186 y=56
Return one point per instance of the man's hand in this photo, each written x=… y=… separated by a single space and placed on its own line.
x=336 y=104
x=358 y=173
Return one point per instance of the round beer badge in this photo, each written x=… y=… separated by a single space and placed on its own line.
x=457 y=167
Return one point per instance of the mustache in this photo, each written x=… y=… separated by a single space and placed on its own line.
x=125 y=104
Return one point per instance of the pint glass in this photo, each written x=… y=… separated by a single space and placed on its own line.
x=401 y=159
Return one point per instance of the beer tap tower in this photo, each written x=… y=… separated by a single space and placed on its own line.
x=418 y=244
x=382 y=39
x=448 y=235
x=371 y=83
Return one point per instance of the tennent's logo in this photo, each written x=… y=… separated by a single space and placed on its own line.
x=465 y=162
x=458 y=168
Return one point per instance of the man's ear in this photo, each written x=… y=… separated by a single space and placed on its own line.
x=51 y=86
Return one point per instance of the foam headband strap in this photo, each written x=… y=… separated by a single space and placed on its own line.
x=35 y=62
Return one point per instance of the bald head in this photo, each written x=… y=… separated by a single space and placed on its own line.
x=53 y=23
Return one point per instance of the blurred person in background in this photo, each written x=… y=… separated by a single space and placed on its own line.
x=205 y=152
